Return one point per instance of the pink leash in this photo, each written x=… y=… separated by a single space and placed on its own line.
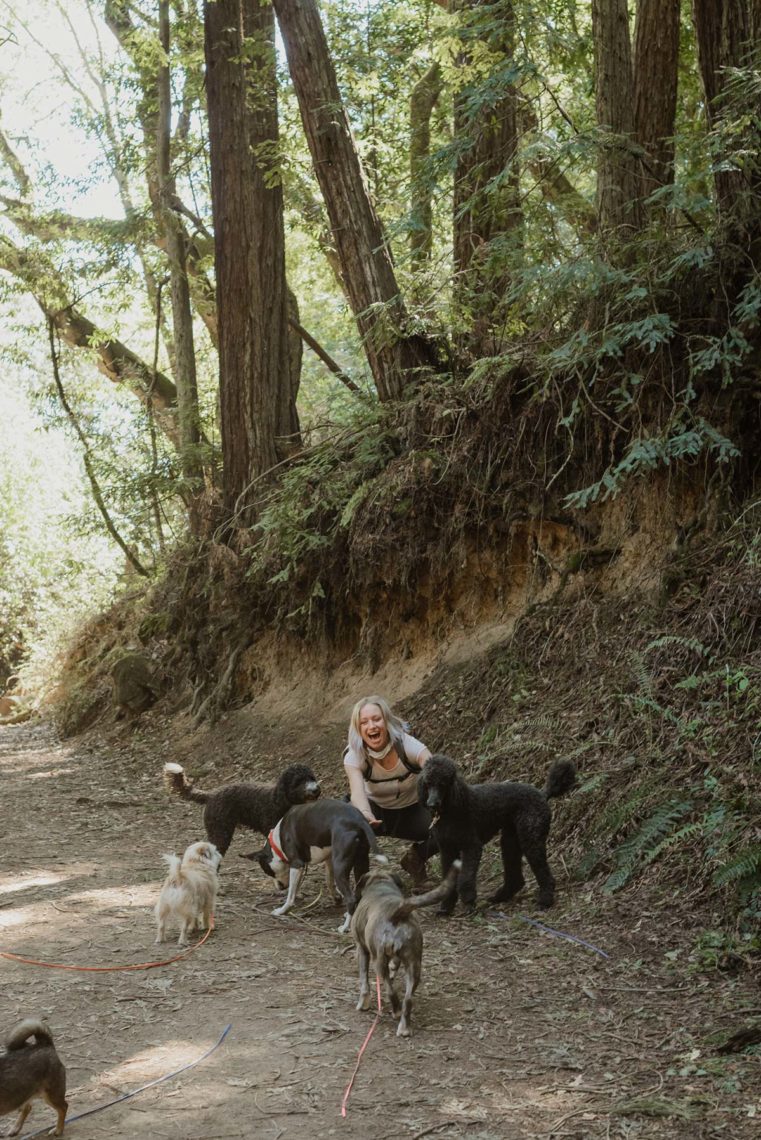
x=364 y=1046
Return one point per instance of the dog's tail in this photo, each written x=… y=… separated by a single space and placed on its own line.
x=31 y=1027
x=560 y=778
x=445 y=887
x=174 y=863
x=176 y=781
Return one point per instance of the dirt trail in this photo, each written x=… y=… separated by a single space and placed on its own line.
x=516 y=1033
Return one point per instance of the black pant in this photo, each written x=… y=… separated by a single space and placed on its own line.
x=412 y=822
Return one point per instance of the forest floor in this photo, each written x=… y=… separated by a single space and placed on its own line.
x=517 y=1032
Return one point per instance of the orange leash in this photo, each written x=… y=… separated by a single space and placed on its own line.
x=108 y=969
x=364 y=1046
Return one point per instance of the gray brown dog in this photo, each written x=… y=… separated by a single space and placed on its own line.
x=388 y=934
x=28 y=1071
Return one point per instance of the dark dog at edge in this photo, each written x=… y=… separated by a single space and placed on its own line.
x=387 y=934
x=256 y=806
x=466 y=816
x=329 y=831
x=28 y=1071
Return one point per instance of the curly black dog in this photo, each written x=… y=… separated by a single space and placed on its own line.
x=466 y=816
x=256 y=806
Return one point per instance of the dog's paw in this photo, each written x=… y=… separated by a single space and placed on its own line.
x=279 y=911
x=344 y=927
x=403 y=1030
x=364 y=1001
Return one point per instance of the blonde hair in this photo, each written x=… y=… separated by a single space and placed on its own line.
x=395 y=726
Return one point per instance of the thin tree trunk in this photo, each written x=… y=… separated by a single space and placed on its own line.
x=97 y=493
x=656 y=69
x=394 y=354
x=424 y=97
x=188 y=416
x=619 y=183
x=257 y=411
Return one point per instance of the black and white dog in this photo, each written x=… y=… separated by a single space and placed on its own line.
x=326 y=831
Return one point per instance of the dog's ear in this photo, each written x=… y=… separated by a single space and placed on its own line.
x=264 y=858
x=398 y=880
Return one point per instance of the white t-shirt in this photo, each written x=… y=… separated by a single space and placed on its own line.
x=396 y=788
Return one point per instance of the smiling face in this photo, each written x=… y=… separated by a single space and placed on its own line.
x=372 y=727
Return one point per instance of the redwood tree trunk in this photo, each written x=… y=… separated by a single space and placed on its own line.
x=726 y=32
x=257 y=409
x=619 y=184
x=393 y=352
x=656 y=60
x=487 y=226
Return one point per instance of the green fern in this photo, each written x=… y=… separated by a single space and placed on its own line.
x=642 y=675
x=690 y=643
x=744 y=866
x=635 y=850
x=588 y=863
x=592 y=784
x=620 y=812
x=689 y=831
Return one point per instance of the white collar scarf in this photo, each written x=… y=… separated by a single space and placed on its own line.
x=383 y=752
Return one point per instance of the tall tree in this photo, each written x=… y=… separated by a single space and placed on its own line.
x=487 y=211
x=423 y=99
x=619 y=184
x=257 y=401
x=176 y=247
x=656 y=68
x=394 y=352
x=727 y=33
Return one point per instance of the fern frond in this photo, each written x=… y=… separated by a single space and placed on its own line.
x=745 y=865
x=690 y=643
x=642 y=675
x=637 y=848
x=689 y=831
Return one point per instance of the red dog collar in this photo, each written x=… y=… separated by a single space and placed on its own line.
x=275 y=848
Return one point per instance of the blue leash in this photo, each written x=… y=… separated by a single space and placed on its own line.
x=129 y=1095
x=555 y=933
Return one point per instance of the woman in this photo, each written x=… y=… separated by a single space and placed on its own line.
x=382 y=763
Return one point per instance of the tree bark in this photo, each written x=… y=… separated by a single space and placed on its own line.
x=656 y=64
x=727 y=31
x=619 y=183
x=258 y=415
x=394 y=353
x=424 y=96
x=488 y=220
x=188 y=416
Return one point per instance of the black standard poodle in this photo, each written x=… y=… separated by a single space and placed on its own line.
x=466 y=816
x=256 y=806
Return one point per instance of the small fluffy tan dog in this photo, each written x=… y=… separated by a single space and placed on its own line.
x=189 y=892
x=388 y=934
x=30 y=1070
